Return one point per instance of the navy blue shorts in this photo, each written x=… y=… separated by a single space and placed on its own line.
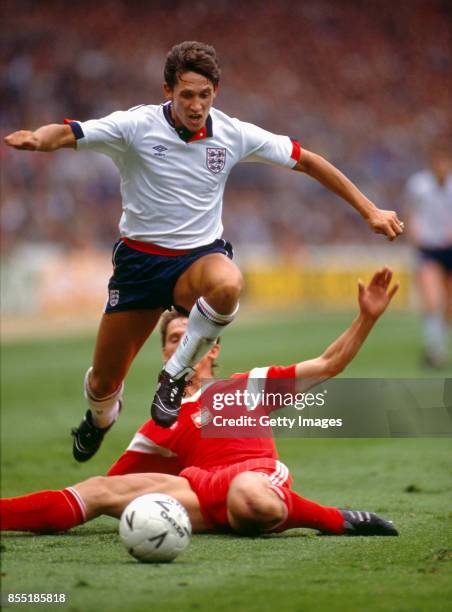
x=145 y=281
x=442 y=256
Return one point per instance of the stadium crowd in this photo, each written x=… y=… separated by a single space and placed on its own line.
x=367 y=85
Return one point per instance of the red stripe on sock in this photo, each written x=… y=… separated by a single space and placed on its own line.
x=77 y=503
x=44 y=511
x=302 y=512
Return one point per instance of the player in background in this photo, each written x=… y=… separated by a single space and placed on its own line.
x=224 y=483
x=429 y=208
x=174 y=160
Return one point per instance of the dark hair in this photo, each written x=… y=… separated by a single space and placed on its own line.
x=192 y=56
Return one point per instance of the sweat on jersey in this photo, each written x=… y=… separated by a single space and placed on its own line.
x=184 y=443
x=172 y=186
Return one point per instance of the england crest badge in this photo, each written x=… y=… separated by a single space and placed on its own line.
x=201 y=418
x=114 y=297
x=215 y=159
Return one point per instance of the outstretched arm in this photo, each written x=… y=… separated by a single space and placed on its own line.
x=381 y=221
x=46 y=138
x=373 y=301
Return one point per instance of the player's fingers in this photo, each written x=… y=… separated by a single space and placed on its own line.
x=14 y=136
x=386 y=229
x=25 y=145
x=381 y=278
x=22 y=139
x=20 y=146
x=13 y=142
x=388 y=277
x=393 y=290
x=397 y=228
x=397 y=225
x=361 y=288
x=394 y=217
x=379 y=275
x=374 y=279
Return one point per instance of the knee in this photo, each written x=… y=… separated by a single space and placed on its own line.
x=96 y=494
x=100 y=385
x=227 y=290
x=252 y=506
x=234 y=284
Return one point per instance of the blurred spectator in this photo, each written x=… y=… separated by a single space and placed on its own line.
x=429 y=213
x=367 y=85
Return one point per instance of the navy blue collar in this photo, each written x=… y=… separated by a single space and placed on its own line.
x=185 y=134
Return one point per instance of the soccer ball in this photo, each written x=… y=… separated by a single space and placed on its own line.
x=155 y=528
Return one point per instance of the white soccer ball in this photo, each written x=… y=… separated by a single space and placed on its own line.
x=155 y=528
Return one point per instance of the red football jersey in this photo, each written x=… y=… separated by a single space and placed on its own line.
x=185 y=442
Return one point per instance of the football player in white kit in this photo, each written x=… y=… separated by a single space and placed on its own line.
x=429 y=208
x=174 y=160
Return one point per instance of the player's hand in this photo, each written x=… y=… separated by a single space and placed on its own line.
x=23 y=139
x=375 y=298
x=386 y=222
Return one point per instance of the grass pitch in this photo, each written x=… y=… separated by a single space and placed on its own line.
x=408 y=480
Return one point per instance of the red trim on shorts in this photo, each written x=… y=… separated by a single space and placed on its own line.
x=296 y=150
x=154 y=249
x=211 y=485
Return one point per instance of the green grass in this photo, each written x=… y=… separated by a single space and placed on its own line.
x=42 y=399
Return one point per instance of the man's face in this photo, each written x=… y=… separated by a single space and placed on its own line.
x=174 y=332
x=191 y=98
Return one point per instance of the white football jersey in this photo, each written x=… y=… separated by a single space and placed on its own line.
x=172 y=188
x=430 y=206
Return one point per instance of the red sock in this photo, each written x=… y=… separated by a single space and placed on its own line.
x=302 y=512
x=43 y=511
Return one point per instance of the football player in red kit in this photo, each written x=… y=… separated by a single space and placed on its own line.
x=226 y=483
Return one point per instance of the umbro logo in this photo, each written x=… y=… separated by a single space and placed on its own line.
x=160 y=150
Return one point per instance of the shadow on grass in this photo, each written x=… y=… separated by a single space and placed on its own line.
x=11 y=535
x=101 y=531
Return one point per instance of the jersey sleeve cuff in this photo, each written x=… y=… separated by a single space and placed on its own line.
x=288 y=372
x=296 y=151
x=76 y=128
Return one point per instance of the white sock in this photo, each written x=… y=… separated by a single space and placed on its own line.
x=204 y=327
x=435 y=335
x=104 y=411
